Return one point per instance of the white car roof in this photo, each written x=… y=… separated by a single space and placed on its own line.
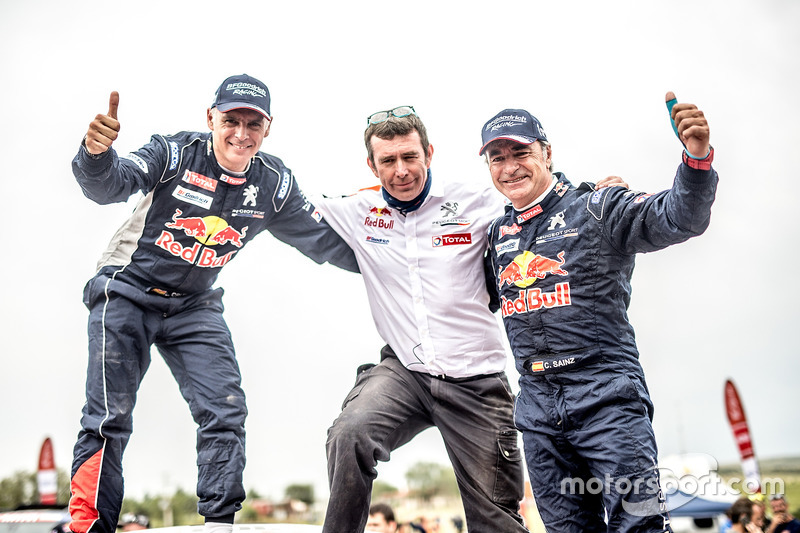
x=244 y=528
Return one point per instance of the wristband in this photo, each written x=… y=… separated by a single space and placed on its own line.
x=699 y=164
x=90 y=154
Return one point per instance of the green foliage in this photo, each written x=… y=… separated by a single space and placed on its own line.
x=380 y=489
x=22 y=489
x=426 y=480
x=304 y=493
x=248 y=515
x=162 y=510
x=17 y=490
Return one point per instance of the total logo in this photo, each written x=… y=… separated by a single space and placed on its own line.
x=523 y=272
x=208 y=231
x=451 y=239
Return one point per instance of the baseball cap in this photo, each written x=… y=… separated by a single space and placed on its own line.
x=242 y=92
x=513 y=124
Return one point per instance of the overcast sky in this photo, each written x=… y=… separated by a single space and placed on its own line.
x=720 y=306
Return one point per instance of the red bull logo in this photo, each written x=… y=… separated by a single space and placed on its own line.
x=208 y=231
x=527 y=267
x=229 y=235
x=523 y=272
x=529 y=300
x=380 y=211
x=379 y=221
x=512 y=274
x=192 y=226
x=540 y=266
x=197 y=254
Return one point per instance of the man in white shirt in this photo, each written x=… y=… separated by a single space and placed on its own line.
x=419 y=243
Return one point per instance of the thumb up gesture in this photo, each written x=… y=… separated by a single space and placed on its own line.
x=104 y=129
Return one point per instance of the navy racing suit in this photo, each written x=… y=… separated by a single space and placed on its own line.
x=154 y=286
x=560 y=272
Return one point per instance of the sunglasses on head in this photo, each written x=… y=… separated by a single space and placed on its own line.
x=383 y=116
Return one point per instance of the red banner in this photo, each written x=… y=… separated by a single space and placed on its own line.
x=741 y=434
x=46 y=477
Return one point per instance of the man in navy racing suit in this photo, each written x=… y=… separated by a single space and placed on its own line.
x=560 y=262
x=205 y=196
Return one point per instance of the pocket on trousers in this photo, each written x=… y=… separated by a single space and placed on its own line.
x=213 y=455
x=508 y=489
x=361 y=379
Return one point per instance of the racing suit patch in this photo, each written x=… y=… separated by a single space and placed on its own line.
x=508 y=246
x=204 y=182
x=192 y=197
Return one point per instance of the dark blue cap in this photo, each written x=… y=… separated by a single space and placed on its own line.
x=242 y=92
x=513 y=124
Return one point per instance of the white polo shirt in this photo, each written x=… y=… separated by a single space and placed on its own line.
x=424 y=275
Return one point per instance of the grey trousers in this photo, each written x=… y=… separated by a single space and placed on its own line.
x=389 y=405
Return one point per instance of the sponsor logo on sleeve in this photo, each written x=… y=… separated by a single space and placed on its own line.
x=285 y=184
x=173 y=155
x=141 y=163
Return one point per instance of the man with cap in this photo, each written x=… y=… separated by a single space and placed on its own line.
x=205 y=196
x=420 y=242
x=562 y=258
